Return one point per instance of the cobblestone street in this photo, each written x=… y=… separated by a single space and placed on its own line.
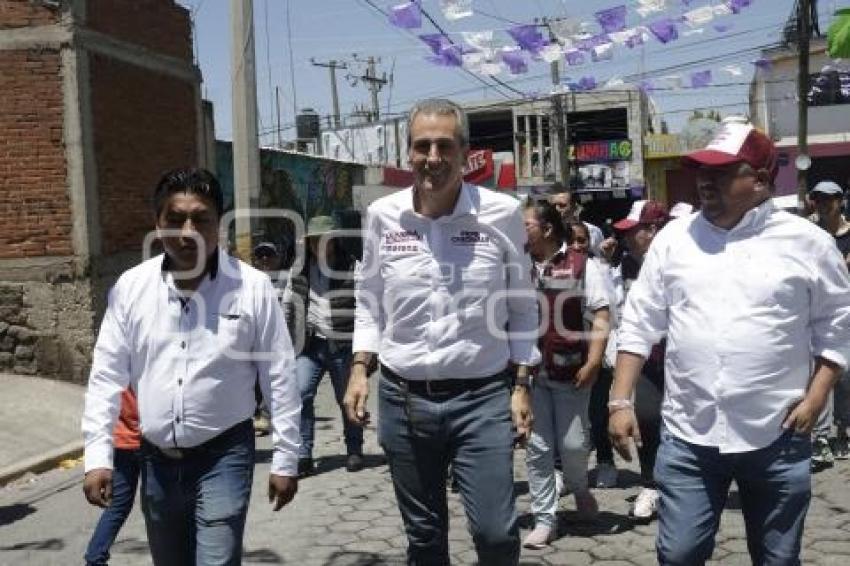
x=343 y=519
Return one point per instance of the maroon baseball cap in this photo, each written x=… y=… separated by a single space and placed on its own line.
x=737 y=142
x=643 y=212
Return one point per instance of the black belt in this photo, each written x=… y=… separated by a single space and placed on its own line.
x=440 y=387
x=226 y=439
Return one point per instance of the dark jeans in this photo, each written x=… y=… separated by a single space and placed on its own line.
x=473 y=432
x=322 y=355
x=649 y=393
x=195 y=506
x=125 y=478
x=598 y=414
x=774 y=484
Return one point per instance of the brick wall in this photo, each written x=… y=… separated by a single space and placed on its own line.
x=35 y=216
x=144 y=124
x=159 y=25
x=25 y=13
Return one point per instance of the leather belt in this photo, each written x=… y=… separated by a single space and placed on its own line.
x=440 y=387
x=224 y=440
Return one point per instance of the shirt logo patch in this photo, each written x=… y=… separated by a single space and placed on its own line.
x=402 y=236
x=470 y=238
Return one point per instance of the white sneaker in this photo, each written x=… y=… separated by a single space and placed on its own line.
x=539 y=538
x=606 y=475
x=646 y=504
x=560 y=486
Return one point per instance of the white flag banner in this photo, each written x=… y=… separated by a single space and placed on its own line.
x=647 y=7
x=698 y=17
x=690 y=32
x=456 y=9
x=613 y=82
x=551 y=53
x=604 y=52
x=566 y=30
x=673 y=82
x=734 y=70
x=621 y=37
x=722 y=9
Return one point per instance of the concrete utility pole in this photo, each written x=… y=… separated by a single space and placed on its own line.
x=332 y=66
x=804 y=33
x=246 y=152
x=560 y=114
x=374 y=84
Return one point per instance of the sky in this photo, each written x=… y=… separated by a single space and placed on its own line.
x=339 y=29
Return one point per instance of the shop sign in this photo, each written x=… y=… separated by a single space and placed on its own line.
x=601 y=151
x=659 y=146
x=479 y=166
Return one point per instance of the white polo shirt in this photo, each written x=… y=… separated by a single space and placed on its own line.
x=450 y=297
x=744 y=311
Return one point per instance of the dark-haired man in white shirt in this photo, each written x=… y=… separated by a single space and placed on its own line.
x=191 y=331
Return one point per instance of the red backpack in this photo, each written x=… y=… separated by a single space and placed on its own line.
x=563 y=344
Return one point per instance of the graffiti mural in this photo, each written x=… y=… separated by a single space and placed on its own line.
x=308 y=185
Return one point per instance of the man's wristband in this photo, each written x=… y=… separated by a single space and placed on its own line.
x=522 y=381
x=363 y=363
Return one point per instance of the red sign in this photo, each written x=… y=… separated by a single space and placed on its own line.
x=479 y=166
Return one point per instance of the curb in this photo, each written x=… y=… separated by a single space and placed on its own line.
x=41 y=463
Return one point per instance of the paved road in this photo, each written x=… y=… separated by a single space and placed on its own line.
x=342 y=519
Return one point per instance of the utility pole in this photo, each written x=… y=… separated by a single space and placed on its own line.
x=804 y=33
x=246 y=152
x=332 y=66
x=373 y=83
x=277 y=111
x=560 y=113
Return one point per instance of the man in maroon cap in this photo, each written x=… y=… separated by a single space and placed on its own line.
x=754 y=304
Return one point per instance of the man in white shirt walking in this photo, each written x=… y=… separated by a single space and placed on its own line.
x=755 y=304
x=191 y=331
x=445 y=301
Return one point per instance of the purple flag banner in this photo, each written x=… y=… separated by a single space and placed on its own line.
x=436 y=41
x=451 y=56
x=723 y=28
x=528 y=37
x=407 y=16
x=664 y=30
x=612 y=19
x=515 y=62
x=701 y=79
x=575 y=58
x=737 y=5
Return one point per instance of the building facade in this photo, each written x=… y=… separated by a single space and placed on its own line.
x=773 y=108
x=99 y=99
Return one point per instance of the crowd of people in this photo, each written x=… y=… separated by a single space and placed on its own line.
x=711 y=343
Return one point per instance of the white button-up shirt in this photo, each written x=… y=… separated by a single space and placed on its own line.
x=744 y=311
x=450 y=297
x=192 y=362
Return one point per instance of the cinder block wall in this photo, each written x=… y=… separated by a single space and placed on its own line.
x=99 y=97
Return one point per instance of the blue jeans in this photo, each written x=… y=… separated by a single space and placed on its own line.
x=125 y=478
x=774 y=485
x=471 y=430
x=195 y=506
x=321 y=355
